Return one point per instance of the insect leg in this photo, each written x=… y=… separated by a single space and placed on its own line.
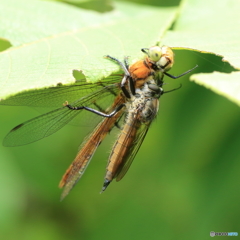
x=125 y=91
x=175 y=77
x=123 y=66
x=126 y=62
x=130 y=85
x=126 y=77
x=117 y=109
x=174 y=89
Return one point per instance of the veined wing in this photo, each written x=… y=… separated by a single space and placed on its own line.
x=88 y=148
x=48 y=123
x=132 y=151
x=120 y=154
x=55 y=96
x=137 y=134
x=129 y=142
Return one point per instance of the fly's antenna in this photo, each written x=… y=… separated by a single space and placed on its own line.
x=145 y=50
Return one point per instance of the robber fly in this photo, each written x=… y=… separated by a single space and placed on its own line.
x=135 y=99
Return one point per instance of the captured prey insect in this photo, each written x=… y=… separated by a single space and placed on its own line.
x=134 y=98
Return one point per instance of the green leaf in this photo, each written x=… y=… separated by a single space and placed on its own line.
x=224 y=84
x=4 y=44
x=213 y=27
x=97 y=5
x=50 y=39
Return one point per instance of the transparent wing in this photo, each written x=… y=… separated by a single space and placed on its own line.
x=83 y=158
x=100 y=96
x=55 y=96
x=132 y=149
x=87 y=149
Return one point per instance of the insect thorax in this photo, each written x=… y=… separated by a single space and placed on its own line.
x=145 y=102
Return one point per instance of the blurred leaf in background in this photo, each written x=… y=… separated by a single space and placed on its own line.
x=184 y=182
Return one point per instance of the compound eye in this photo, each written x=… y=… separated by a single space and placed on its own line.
x=154 y=87
x=154 y=53
x=167 y=59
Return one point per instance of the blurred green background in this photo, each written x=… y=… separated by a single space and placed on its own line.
x=183 y=183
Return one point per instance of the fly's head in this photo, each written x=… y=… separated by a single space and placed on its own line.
x=152 y=90
x=155 y=90
x=161 y=58
x=167 y=59
x=154 y=53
